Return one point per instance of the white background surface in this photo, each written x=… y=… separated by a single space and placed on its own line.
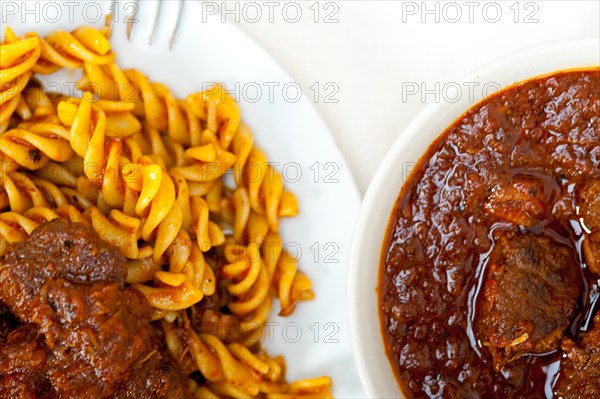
x=371 y=54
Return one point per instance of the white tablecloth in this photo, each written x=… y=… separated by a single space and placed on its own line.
x=388 y=59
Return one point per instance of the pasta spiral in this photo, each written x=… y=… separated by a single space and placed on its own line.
x=149 y=173
x=232 y=369
x=32 y=148
x=62 y=49
x=17 y=59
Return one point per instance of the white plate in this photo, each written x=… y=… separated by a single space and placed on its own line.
x=375 y=370
x=314 y=340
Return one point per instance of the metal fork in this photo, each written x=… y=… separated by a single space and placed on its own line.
x=132 y=19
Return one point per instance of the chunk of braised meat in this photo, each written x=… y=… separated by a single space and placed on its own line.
x=16 y=386
x=22 y=357
x=580 y=368
x=530 y=295
x=7 y=322
x=520 y=200
x=210 y=316
x=88 y=336
x=590 y=210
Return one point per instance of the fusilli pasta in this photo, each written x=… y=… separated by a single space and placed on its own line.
x=148 y=172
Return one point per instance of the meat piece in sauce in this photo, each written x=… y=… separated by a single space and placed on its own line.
x=22 y=357
x=530 y=296
x=519 y=200
x=84 y=334
x=208 y=316
x=590 y=210
x=580 y=368
x=7 y=323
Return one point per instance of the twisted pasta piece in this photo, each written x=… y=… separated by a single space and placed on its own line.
x=233 y=370
x=34 y=147
x=20 y=193
x=220 y=112
x=188 y=280
x=281 y=268
x=36 y=105
x=162 y=111
x=120 y=230
x=208 y=233
x=120 y=121
x=17 y=59
x=131 y=86
x=218 y=363
x=62 y=49
x=318 y=387
x=88 y=131
x=176 y=293
x=250 y=284
x=265 y=189
x=156 y=199
x=212 y=162
x=90 y=127
x=292 y=285
x=257 y=271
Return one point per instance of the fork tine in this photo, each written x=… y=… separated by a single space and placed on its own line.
x=180 y=5
x=154 y=23
x=110 y=13
x=132 y=18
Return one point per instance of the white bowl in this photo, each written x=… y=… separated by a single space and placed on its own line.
x=363 y=306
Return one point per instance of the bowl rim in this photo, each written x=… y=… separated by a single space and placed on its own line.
x=366 y=340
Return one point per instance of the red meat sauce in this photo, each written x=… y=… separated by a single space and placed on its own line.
x=489 y=272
